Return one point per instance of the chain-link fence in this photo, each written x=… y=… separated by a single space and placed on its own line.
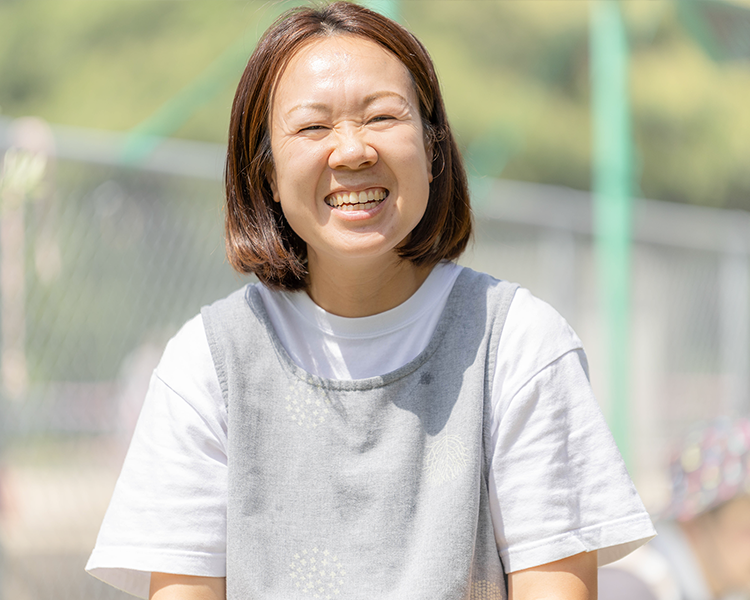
x=113 y=260
x=101 y=262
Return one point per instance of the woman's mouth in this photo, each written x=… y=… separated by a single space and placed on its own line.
x=363 y=200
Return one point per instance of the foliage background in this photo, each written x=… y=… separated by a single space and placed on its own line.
x=515 y=76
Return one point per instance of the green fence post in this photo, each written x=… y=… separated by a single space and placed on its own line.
x=387 y=8
x=612 y=207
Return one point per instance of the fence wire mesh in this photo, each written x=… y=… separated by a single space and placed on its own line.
x=104 y=262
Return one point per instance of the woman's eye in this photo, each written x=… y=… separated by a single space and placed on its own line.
x=381 y=118
x=313 y=128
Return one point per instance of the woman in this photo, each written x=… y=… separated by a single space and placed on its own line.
x=371 y=420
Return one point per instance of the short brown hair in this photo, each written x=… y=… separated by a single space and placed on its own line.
x=259 y=240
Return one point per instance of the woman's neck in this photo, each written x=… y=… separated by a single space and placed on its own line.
x=362 y=288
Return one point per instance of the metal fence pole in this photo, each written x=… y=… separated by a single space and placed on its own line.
x=388 y=8
x=734 y=300
x=612 y=173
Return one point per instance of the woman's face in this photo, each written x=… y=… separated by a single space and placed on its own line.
x=351 y=165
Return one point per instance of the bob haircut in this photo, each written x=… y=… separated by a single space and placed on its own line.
x=258 y=238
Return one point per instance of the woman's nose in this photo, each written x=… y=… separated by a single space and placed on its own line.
x=352 y=150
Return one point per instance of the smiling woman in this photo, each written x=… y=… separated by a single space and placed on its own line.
x=370 y=420
x=259 y=238
x=352 y=167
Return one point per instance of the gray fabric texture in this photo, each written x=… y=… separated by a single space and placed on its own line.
x=363 y=489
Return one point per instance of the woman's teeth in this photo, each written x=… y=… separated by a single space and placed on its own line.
x=364 y=200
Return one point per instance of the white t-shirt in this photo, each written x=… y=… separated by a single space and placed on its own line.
x=558 y=486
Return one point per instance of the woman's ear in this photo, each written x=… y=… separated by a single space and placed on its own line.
x=272 y=182
x=430 y=158
x=429 y=148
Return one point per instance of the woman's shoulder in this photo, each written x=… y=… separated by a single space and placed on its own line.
x=533 y=321
x=530 y=321
x=534 y=337
x=187 y=366
x=231 y=306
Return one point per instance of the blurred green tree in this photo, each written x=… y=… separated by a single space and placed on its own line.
x=518 y=68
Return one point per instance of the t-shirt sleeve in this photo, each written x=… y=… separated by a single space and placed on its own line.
x=558 y=485
x=168 y=510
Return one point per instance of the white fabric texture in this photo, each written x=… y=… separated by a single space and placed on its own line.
x=557 y=483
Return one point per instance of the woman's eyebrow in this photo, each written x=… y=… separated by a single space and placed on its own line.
x=320 y=106
x=384 y=94
x=309 y=106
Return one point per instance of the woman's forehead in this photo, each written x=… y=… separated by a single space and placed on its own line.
x=344 y=47
x=343 y=56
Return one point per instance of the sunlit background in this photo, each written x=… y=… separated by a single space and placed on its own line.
x=113 y=116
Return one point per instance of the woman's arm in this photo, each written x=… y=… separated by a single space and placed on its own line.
x=572 y=578
x=165 y=586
